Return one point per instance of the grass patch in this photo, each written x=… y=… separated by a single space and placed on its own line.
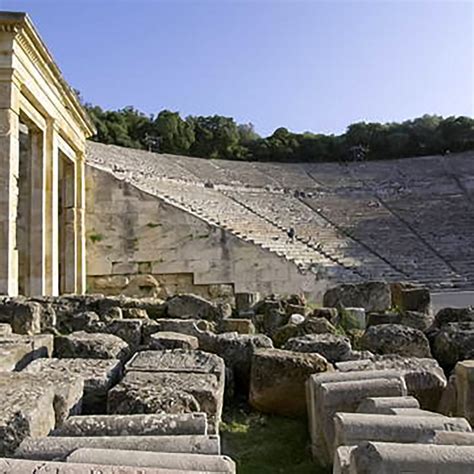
x=263 y=444
x=96 y=238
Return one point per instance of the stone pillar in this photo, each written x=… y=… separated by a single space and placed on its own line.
x=68 y=226
x=9 y=171
x=80 y=224
x=39 y=197
x=51 y=210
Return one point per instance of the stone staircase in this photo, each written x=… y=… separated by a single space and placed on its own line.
x=407 y=220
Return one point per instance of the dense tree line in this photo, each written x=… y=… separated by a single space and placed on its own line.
x=222 y=138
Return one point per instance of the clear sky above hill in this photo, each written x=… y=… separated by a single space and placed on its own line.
x=306 y=65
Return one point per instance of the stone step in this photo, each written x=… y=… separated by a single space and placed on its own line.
x=23 y=466
x=354 y=428
x=376 y=458
x=99 y=376
x=17 y=351
x=185 y=462
x=60 y=447
x=134 y=425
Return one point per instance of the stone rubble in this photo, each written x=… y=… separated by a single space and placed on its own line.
x=126 y=391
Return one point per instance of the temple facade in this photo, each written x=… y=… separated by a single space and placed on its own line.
x=43 y=131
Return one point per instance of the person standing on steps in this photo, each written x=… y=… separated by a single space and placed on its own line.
x=291 y=234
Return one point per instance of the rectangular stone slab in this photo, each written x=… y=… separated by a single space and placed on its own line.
x=181 y=461
x=354 y=428
x=17 y=351
x=99 y=376
x=449 y=437
x=60 y=447
x=389 y=458
x=385 y=404
x=206 y=389
x=23 y=466
x=27 y=409
x=424 y=377
x=134 y=425
x=177 y=360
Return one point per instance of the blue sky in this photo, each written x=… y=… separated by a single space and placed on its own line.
x=306 y=65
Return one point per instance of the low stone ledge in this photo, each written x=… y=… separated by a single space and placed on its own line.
x=134 y=425
x=59 y=448
x=384 y=458
x=99 y=376
x=354 y=428
x=186 y=462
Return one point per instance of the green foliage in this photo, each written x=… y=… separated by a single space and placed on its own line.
x=222 y=138
x=96 y=238
x=262 y=444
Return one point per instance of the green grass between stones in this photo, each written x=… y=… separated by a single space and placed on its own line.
x=262 y=444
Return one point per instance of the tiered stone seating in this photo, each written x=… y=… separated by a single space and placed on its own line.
x=286 y=211
x=405 y=219
x=452 y=238
x=138 y=163
x=218 y=208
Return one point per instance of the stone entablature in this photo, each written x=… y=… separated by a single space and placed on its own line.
x=43 y=129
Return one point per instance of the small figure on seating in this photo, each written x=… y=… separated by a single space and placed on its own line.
x=291 y=234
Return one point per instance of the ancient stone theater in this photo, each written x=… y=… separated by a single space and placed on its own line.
x=77 y=215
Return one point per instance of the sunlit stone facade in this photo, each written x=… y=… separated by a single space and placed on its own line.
x=43 y=130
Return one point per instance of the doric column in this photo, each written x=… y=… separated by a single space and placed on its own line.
x=38 y=236
x=81 y=224
x=51 y=210
x=9 y=173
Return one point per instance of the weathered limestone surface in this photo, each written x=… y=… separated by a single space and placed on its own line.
x=388 y=458
x=168 y=392
x=237 y=351
x=354 y=428
x=192 y=327
x=85 y=345
x=385 y=404
x=27 y=409
x=68 y=392
x=465 y=389
x=454 y=343
x=99 y=376
x=192 y=306
x=461 y=438
x=5 y=329
x=333 y=348
x=342 y=460
x=277 y=380
x=172 y=340
x=137 y=394
x=411 y=412
x=335 y=392
x=24 y=466
x=372 y=296
x=185 y=462
x=130 y=330
x=206 y=389
x=17 y=351
x=60 y=447
x=134 y=425
x=177 y=360
x=396 y=339
x=240 y=325
x=424 y=377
